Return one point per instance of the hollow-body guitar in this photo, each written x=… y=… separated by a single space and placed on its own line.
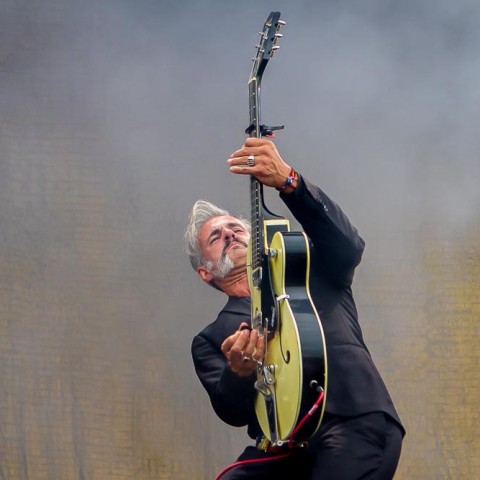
x=291 y=380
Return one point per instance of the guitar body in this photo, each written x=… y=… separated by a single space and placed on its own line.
x=296 y=352
x=292 y=377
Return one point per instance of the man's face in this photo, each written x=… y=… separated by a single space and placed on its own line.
x=223 y=242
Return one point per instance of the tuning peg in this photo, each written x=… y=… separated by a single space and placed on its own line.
x=278 y=35
x=281 y=22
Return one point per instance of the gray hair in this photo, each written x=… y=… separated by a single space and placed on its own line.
x=201 y=212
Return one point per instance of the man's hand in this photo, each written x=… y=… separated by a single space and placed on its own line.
x=269 y=167
x=243 y=350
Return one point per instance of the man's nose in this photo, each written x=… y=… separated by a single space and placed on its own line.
x=228 y=234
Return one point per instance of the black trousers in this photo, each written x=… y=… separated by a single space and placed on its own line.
x=366 y=447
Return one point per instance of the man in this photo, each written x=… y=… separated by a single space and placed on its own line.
x=361 y=434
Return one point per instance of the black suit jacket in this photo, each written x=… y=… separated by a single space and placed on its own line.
x=355 y=386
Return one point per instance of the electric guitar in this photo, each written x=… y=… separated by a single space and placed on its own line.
x=292 y=377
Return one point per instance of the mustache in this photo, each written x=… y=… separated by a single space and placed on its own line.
x=227 y=244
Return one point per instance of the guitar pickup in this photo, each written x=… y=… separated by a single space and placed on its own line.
x=257 y=277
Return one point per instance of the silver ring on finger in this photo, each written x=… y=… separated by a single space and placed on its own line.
x=251 y=160
x=246 y=359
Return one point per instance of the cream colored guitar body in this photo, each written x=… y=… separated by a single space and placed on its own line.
x=295 y=364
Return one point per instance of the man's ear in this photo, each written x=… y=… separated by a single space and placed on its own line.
x=205 y=275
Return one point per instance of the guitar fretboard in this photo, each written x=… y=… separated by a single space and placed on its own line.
x=256 y=241
x=255 y=186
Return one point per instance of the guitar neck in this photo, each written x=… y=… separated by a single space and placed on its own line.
x=259 y=212
x=256 y=190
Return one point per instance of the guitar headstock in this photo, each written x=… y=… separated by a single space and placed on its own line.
x=267 y=46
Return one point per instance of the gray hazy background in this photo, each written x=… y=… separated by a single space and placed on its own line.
x=115 y=116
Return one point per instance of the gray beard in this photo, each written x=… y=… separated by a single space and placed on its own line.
x=219 y=270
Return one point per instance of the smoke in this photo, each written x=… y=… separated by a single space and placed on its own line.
x=117 y=115
x=378 y=98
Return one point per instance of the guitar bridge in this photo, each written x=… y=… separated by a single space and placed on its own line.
x=268 y=374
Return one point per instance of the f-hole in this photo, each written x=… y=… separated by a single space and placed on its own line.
x=285 y=354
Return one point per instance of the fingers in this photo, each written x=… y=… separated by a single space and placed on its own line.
x=244 y=161
x=243 y=347
x=257 y=141
x=251 y=346
x=233 y=343
x=252 y=146
x=259 y=352
x=268 y=166
x=243 y=350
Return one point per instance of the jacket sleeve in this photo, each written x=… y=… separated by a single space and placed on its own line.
x=336 y=242
x=231 y=396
